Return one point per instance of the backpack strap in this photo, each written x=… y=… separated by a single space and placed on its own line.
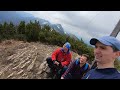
x=86 y=67
x=77 y=62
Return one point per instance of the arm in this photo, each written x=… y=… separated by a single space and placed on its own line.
x=69 y=70
x=54 y=54
x=67 y=61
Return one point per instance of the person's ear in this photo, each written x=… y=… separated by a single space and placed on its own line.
x=117 y=53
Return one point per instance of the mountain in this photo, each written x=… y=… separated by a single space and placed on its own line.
x=17 y=16
x=72 y=35
x=58 y=28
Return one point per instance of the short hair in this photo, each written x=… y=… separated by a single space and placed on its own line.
x=86 y=55
x=114 y=49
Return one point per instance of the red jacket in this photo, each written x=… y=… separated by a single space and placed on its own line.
x=64 y=58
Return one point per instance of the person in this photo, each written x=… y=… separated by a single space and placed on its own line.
x=59 y=60
x=106 y=51
x=77 y=68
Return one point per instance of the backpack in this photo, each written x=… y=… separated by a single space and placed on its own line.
x=86 y=65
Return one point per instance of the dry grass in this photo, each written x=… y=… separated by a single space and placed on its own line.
x=23 y=60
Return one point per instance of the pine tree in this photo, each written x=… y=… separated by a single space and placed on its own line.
x=21 y=28
x=11 y=28
x=1 y=29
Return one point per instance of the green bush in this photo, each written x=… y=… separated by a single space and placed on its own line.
x=117 y=64
x=33 y=31
x=20 y=37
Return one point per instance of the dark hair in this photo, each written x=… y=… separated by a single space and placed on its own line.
x=114 y=49
x=87 y=56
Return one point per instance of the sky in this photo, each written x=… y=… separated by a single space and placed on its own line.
x=83 y=24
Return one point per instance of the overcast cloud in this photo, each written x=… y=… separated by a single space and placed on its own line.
x=84 y=24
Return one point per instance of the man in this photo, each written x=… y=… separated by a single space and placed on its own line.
x=77 y=68
x=60 y=59
x=107 y=50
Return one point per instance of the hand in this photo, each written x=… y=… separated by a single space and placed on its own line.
x=62 y=78
x=57 y=63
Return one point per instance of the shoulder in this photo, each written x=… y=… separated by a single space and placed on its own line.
x=91 y=71
x=117 y=75
x=77 y=62
x=88 y=74
x=59 y=50
x=88 y=65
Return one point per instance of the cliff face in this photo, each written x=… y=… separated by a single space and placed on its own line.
x=23 y=60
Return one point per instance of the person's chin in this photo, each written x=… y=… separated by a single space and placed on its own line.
x=98 y=60
x=82 y=62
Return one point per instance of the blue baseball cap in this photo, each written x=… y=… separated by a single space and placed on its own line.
x=67 y=45
x=107 y=40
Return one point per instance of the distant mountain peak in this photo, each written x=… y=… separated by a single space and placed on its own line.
x=17 y=16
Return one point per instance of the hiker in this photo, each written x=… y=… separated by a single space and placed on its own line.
x=60 y=59
x=106 y=51
x=77 y=68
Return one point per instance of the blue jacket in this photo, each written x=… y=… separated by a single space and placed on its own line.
x=107 y=73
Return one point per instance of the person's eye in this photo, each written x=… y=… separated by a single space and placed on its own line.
x=102 y=47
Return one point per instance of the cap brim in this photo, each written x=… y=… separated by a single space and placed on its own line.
x=93 y=41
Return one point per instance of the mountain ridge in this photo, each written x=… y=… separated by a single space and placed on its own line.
x=17 y=16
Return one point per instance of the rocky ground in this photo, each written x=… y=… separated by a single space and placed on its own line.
x=23 y=60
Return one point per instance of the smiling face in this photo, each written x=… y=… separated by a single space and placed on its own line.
x=104 y=54
x=83 y=59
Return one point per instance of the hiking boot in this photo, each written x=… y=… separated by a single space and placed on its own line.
x=50 y=73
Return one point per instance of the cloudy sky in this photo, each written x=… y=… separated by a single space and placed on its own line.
x=83 y=24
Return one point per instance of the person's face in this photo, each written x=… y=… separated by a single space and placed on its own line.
x=104 y=54
x=83 y=59
x=65 y=49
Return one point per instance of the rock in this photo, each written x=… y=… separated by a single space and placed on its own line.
x=27 y=62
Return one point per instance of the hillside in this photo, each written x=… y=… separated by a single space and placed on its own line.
x=23 y=60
